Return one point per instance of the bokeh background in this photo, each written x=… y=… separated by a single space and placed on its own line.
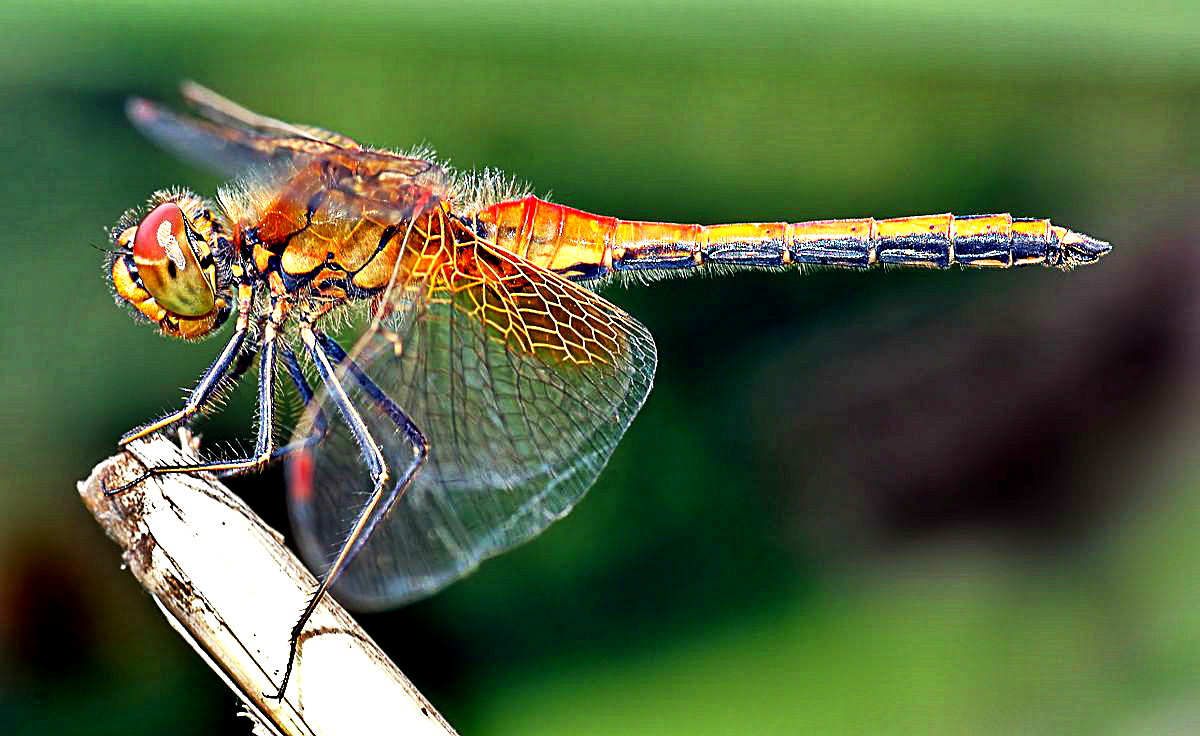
x=883 y=502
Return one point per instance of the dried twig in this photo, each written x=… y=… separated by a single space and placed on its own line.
x=227 y=584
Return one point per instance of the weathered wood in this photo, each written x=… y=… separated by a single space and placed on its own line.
x=227 y=584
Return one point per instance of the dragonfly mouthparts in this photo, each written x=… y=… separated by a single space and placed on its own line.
x=1081 y=250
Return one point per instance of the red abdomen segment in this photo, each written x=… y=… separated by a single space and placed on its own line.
x=582 y=246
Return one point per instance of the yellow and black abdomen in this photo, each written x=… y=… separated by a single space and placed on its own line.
x=939 y=241
x=582 y=246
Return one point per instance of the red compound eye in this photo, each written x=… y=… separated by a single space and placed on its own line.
x=159 y=236
x=167 y=265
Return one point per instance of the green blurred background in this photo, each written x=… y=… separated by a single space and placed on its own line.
x=884 y=502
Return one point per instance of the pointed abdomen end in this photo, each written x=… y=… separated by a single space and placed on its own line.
x=1081 y=250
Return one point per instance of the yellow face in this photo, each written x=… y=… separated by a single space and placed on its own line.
x=164 y=266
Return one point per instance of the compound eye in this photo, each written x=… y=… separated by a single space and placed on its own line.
x=167 y=264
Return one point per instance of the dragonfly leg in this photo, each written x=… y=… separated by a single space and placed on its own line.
x=320 y=423
x=322 y=349
x=211 y=379
x=264 y=444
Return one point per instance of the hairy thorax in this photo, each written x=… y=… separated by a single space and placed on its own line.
x=331 y=249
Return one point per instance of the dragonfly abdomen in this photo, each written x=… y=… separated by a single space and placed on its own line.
x=583 y=246
x=935 y=241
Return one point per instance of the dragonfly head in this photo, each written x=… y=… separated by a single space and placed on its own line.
x=168 y=264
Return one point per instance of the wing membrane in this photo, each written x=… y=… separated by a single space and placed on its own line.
x=225 y=150
x=236 y=142
x=522 y=382
x=228 y=114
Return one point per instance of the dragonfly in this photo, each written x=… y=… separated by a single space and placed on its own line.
x=490 y=381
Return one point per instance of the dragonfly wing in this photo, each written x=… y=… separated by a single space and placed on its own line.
x=227 y=113
x=222 y=149
x=381 y=186
x=522 y=382
x=292 y=162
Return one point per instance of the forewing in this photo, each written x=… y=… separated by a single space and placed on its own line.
x=227 y=113
x=225 y=150
x=522 y=383
x=294 y=162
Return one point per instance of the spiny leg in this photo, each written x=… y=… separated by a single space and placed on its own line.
x=321 y=349
x=264 y=443
x=205 y=388
x=320 y=423
x=241 y=365
x=402 y=421
x=233 y=374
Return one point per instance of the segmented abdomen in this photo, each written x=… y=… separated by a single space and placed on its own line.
x=583 y=246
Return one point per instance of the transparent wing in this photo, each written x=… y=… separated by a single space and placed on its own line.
x=522 y=382
x=295 y=160
x=227 y=113
x=226 y=150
